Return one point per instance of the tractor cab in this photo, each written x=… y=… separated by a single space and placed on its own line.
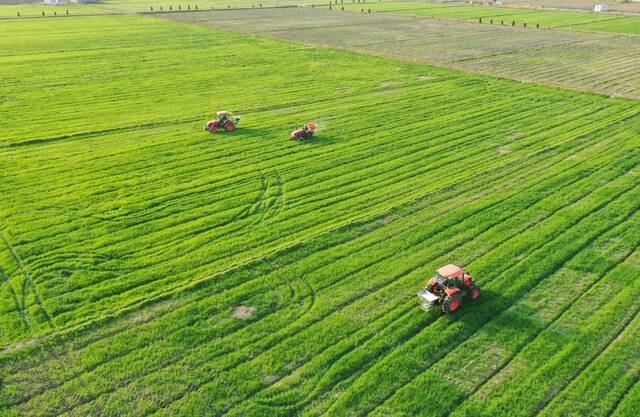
x=452 y=276
x=305 y=132
x=224 y=121
x=446 y=288
x=225 y=115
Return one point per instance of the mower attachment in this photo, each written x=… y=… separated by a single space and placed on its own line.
x=427 y=299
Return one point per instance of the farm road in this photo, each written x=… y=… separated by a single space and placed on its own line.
x=596 y=62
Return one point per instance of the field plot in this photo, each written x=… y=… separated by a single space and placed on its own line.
x=32 y=10
x=618 y=6
x=602 y=22
x=150 y=269
x=605 y=63
x=134 y=6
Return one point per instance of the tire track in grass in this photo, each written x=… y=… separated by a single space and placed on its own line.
x=27 y=284
x=111 y=337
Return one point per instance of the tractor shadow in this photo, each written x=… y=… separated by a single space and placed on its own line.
x=318 y=140
x=248 y=132
x=497 y=311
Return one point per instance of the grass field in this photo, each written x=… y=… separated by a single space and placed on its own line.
x=135 y=6
x=604 y=63
x=148 y=268
x=619 y=6
x=33 y=10
x=603 y=22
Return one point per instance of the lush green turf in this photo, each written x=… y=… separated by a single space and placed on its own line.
x=603 y=22
x=134 y=6
x=149 y=268
x=33 y=10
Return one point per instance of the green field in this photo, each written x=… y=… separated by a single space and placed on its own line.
x=601 y=22
x=134 y=6
x=150 y=268
x=582 y=20
x=35 y=10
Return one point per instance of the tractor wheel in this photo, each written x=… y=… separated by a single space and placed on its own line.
x=474 y=291
x=213 y=129
x=451 y=303
x=229 y=127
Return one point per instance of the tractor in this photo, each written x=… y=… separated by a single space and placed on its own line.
x=224 y=121
x=305 y=132
x=447 y=288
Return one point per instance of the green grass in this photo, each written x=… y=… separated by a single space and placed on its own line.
x=601 y=22
x=35 y=10
x=134 y=6
x=130 y=238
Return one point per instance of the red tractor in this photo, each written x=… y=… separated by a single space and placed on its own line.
x=447 y=287
x=305 y=132
x=224 y=121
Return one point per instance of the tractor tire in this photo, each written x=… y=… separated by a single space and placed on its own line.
x=229 y=127
x=474 y=291
x=451 y=303
x=213 y=129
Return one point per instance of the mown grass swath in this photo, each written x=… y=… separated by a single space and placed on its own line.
x=130 y=238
